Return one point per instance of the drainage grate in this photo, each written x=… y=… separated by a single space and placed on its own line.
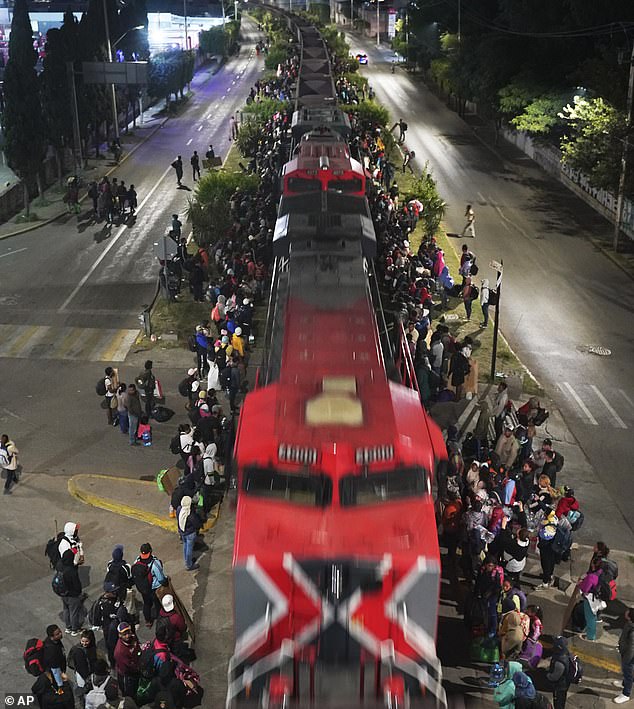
x=595 y=350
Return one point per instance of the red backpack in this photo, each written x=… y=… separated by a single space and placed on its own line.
x=34 y=657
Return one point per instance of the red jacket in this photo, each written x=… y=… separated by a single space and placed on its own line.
x=565 y=505
x=126 y=658
x=177 y=621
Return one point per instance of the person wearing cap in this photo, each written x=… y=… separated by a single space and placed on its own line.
x=558 y=672
x=119 y=573
x=176 y=620
x=237 y=342
x=127 y=657
x=189 y=524
x=148 y=574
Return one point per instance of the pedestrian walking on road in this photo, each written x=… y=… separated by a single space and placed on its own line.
x=178 y=168
x=626 y=650
x=233 y=129
x=195 y=163
x=9 y=462
x=402 y=129
x=470 y=225
x=131 y=199
x=407 y=160
x=134 y=409
x=558 y=673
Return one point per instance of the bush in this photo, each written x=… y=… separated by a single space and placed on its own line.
x=369 y=113
x=278 y=54
x=209 y=210
x=426 y=190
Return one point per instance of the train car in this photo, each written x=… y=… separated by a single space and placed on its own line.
x=336 y=563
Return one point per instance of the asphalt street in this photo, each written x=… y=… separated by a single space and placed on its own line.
x=559 y=295
x=71 y=292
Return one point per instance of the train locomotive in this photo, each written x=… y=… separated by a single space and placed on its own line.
x=336 y=564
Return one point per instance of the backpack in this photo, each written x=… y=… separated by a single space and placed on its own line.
x=161 y=414
x=142 y=577
x=575 y=517
x=184 y=387
x=191 y=681
x=51 y=550
x=609 y=569
x=561 y=542
x=475 y=293
x=192 y=345
x=147 y=665
x=403 y=126
x=575 y=669
x=101 y=387
x=95 y=614
x=97 y=696
x=175 y=444
x=59 y=584
x=34 y=657
x=606 y=590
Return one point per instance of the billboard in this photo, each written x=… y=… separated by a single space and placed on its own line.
x=121 y=73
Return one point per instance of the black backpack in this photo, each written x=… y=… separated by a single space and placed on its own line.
x=142 y=576
x=185 y=387
x=191 y=343
x=34 y=657
x=175 y=444
x=146 y=661
x=575 y=669
x=51 y=550
x=101 y=387
x=475 y=293
x=59 y=584
x=403 y=126
x=95 y=614
x=162 y=414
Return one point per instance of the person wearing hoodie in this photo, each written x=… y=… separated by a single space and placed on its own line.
x=525 y=692
x=568 y=503
x=176 y=620
x=70 y=540
x=515 y=551
x=82 y=659
x=73 y=611
x=626 y=650
x=166 y=687
x=188 y=525
x=559 y=671
x=511 y=635
x=119 y=573
x=127 y=656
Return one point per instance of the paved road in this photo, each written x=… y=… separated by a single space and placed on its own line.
x=560 y=295
x=71 y=292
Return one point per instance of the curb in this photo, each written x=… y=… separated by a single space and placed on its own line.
x=610 y=256
x=124 y=510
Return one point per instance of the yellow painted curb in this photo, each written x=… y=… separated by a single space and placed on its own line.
x=120 y=508
x=603 y=663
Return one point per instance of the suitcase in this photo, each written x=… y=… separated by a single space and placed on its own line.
x=484 y=650
x=531 y=653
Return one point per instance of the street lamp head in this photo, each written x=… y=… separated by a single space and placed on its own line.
x=125 y=34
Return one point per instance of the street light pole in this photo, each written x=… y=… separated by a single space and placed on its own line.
x=235 y=10
x=624 y=157
x=459 y=22
x=378 y=33
x=79 y=162
x=112 y=89
x=351 y=14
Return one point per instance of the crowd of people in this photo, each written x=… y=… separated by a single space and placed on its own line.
x=120 y=670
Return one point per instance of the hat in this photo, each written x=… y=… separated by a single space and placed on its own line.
x=225 y=340
x=560 y=643
x=117 y=553
x=238 y=331
x=191 y=371
x=202 y=395
x=123 y=628
x=547 y=442
x=168 y=602
x=109 y=587
x=146 y=550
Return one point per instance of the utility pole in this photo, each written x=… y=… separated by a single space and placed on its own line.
x=459 y=22
x=185 y=16
x=112 y=89
x=235 y=10
x=499 y=267
x=624 y=156
x=351 y=14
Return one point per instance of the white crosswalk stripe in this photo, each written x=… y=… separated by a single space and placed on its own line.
x=611 y=406
x=617 y=419
x=584 y=409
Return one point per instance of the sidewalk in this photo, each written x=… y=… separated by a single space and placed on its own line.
x=151 y=120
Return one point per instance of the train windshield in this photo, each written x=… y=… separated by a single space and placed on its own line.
x=298 y=488
x=374 y=488
x=303 y=184
x=353 y=185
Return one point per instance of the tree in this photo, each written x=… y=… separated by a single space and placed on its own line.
x=541 y=117
x=594 y=141
x=24 y=128
x=56 y=96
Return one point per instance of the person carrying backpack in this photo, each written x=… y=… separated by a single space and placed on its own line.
x=103 y=614
x=67 y=585
x=70 y=540
x=101 y=688
x=559 y=672
x=119 y=573
x=54 y=654
x=148 y=575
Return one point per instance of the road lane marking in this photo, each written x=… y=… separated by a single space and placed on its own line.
x=189 y=142
x=581 y=405
x=627 y=398
x=104 y=253
x=617 y=419
x=10 y=253
x=199 y=128
x=482 y=197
